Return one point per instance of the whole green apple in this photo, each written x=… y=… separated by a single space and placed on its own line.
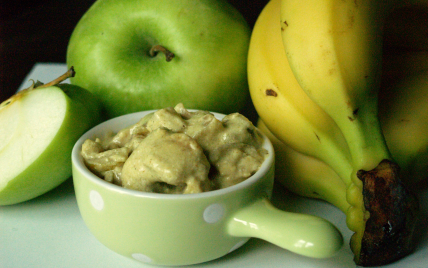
x=149 y=54
x=38 y=129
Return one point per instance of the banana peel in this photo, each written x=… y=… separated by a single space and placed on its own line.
x=380 y=209
x=404 y=119
x=309 y=177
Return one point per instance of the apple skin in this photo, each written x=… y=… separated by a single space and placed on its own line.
x=53 y=166
x=109 y=49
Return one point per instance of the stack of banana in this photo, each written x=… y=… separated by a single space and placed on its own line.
x=341 y=88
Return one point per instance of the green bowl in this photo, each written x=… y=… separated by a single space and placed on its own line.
x=166 y=229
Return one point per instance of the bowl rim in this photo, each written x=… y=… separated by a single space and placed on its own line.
x=79 y=166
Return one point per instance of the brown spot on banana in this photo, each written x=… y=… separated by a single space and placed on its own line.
x=284 y=25
x=271 y=92
x=354 y=115
x=317 y=136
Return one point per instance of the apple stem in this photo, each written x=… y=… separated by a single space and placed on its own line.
x=38 y=84
x=158 y=48
x=68 y=74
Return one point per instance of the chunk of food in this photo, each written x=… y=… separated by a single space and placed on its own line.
x=167 y=162
x=176 y=151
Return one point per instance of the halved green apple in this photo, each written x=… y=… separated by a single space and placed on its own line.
x=38 y=128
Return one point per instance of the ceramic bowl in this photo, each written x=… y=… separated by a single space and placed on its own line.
x=166 y=229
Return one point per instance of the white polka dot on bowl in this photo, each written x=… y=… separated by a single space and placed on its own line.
x=96 y=200
x=141 y=257
x=213 y=213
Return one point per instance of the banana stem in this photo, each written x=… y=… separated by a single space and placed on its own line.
x=365 y=139
x=393 y=210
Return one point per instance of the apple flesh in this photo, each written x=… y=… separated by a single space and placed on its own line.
x=38 y=129
x=111 y=46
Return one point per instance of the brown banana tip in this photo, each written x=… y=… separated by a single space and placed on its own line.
x=389 y=232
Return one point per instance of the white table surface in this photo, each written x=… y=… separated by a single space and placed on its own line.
x=48 y=231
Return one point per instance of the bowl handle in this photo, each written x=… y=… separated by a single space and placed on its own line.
x=300 y=233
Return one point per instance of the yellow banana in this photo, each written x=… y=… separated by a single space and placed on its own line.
x=404 y=88
x=306 y=175
x=280 y=101
x=286 y=109
x=325 y=136
x=404 y=117
x=404 y=120
x=334 y=48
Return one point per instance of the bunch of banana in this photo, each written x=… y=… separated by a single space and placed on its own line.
x=314 y=71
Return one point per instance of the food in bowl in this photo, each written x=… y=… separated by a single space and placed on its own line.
x=177 y=151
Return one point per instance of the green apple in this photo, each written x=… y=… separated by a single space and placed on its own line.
x=38 y=129
x=150 y=54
